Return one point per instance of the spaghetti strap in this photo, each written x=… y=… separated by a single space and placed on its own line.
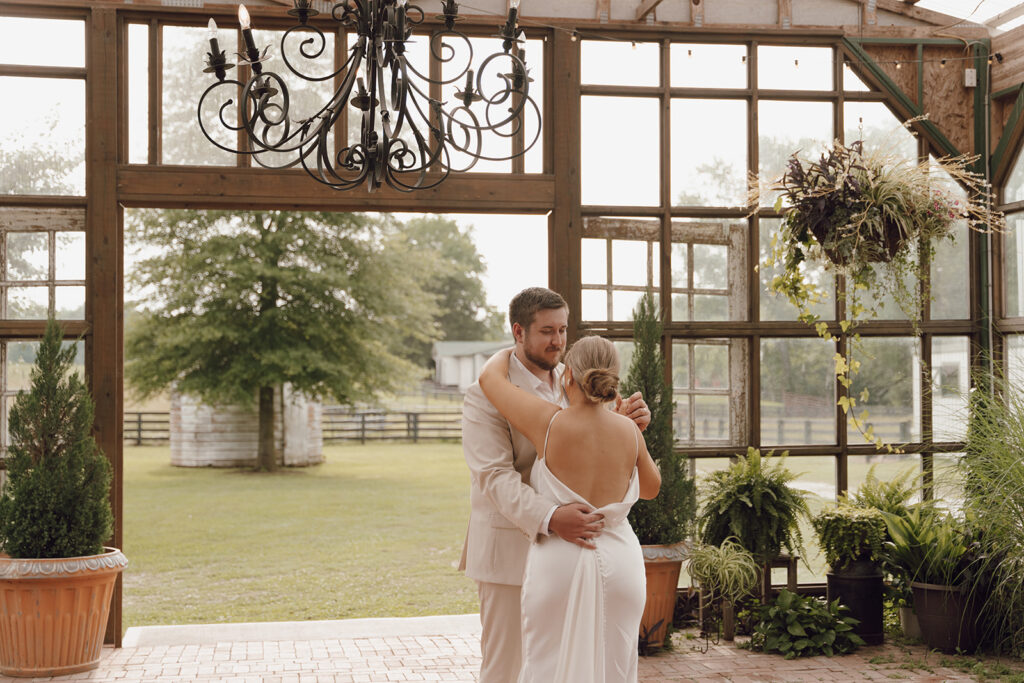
x=636 y=444
x=544 y=452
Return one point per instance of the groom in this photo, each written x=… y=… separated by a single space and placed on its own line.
x=506 y=514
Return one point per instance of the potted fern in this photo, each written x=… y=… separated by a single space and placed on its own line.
x=662 y=524
x=851 y=539
x=56 y=576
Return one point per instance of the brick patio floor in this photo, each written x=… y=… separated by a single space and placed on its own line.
x=446 y=649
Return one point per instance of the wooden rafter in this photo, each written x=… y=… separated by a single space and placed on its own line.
x=1008 y=15
x=910 y=10
x=604 y=10
x=785 y=13
x=645 y=8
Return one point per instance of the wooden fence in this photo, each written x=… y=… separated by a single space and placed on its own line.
x=147 y=428
x=341 y=424
x=338 y=424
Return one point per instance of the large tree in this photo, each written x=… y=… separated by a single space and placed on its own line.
x=455 y=284
x=241 y=302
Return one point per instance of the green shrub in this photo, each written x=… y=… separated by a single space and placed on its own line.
x=666 y=519
x=847 y=534
x=804 y=626
x=55 y=502
x=753 y=501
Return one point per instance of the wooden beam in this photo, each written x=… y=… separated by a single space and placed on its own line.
x=228 y=187
x=925 y=15
x=604 y=11
x=1008 y=15
x=786 y=14
x=645 y=8
x=869 y=16
x=697 y=12
x=104 y=273
x=32 y=218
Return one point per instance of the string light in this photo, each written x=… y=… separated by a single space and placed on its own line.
x=942 y=64
x=899 y=65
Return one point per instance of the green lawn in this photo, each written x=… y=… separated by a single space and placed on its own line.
x=375 y=531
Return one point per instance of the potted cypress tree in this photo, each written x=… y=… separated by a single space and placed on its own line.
x=661 y=524
x=56 y=576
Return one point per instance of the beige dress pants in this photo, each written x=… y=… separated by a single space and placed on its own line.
x=501 y=641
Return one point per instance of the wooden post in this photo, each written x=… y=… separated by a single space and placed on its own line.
x=138 y=429
x=104 y=273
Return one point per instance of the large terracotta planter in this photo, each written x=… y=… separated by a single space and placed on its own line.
x=662 y=564
x=53 y=612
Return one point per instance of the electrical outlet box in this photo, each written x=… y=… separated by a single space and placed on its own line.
x=970 y=78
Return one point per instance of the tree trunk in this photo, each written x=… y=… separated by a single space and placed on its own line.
x=266 y=460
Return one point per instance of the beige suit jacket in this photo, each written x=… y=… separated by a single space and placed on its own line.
x=506 y=513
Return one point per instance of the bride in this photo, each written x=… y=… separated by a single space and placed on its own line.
x=581 y=607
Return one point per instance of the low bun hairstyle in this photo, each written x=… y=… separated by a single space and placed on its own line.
x=595 y=367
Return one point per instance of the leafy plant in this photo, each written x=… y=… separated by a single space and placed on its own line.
x=874 y=218
x=753 y=502
x=927 y=547
x=848 y=534
x=993 y=471
x=895 y=495
x=726 y=571
x=56 y=500
x=804 y=626
x=668 y=518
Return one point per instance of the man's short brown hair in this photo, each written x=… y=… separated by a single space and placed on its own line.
x=524 y=305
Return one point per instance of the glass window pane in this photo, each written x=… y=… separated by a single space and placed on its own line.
x=710 y=266
x=629 y=263
x=879 y=128
x=138 y=93
x=680 y=265
x=28 y=303
x=949 y=481
x=709 y=163
x=625 y=351
x=606 y=180
x=594 y=261
x=816 y=477
x=890 y=372
x=715 y=283
x=492 y=145
x=1013 y=265
x=853 y=82
x=595 y=304
x=711 y=417
x=710 y=307
x=1015 y=360
x=307 y=98
x=183 y=82
x=777 y=306
x=950 y=277
x=42 y=144
x=785 y=128
x=798 y=392
x=20 y=358
x=681 y=307
x=950 y=369
x=42 y=42
x=711 y=366
x=705 y=65
x=535 y=65
x=886 y=468
x=623 y=304
x=69 y=303
x=782 y=67
x=1013 y=191
x=70 y=258
x=28 y=256
x=681 y=378
x=607 y=62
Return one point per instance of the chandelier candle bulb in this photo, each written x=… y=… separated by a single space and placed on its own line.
x=214 y=45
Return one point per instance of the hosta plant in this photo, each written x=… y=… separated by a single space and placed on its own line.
x=804 y=626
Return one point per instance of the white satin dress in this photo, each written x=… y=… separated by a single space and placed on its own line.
x=581 y=608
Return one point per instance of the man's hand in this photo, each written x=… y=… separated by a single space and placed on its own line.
x=635 y=408
x=577 y=524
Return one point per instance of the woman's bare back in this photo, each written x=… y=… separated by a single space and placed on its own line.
x=593 y=451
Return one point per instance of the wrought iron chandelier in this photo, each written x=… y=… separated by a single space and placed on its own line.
x=408 y=138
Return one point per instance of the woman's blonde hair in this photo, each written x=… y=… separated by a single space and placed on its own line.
x=595 y=367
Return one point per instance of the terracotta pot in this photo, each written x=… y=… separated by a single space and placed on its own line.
x=662 y=564
x=53 y=612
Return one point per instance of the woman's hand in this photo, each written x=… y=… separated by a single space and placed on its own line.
x=635 y=408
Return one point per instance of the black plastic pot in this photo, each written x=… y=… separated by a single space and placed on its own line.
x=859 y=586
x=947 y=615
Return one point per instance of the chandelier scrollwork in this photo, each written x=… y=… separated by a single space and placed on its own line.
x=409 y=138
